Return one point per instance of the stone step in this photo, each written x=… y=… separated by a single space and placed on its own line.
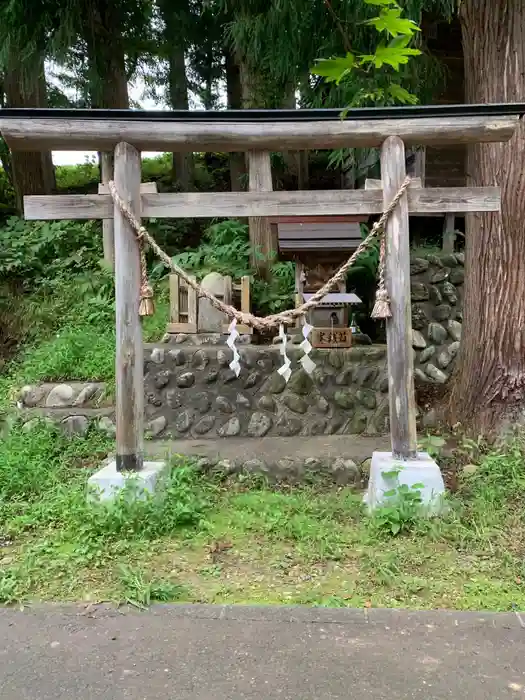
x=343 y=459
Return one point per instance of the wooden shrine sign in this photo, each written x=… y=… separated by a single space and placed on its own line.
x=332 y=337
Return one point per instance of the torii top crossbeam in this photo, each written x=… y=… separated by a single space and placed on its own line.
x=67 y=129
x=258 y=133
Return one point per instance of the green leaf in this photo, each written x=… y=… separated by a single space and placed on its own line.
x=400 y=94
x=334 y=69
x=383 y=3
x=388 y=55
x=395 y=528
x=391 y=22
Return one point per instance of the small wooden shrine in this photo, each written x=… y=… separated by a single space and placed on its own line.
x=319 y=245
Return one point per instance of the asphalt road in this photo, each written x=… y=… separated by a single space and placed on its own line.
x=246 y=653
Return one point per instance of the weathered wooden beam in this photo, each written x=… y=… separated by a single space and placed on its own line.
x=260 y=180
x=371 y=184
x=129 y=351
x=399 y=327
x=108 y=235
x=145 y=188
x=103 y=134
x=436 y=200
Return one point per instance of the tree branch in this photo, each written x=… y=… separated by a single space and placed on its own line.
x=346 y=42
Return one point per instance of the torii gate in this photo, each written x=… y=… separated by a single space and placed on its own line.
x=258 y=133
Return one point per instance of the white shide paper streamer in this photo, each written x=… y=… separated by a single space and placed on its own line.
x=306 y=361
x=284 y=370
x=235 y=365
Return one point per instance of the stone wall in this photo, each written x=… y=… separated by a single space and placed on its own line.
x=437 y=303
x=190 y=392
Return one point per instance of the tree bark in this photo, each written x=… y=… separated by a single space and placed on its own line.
x=262 y=241
x=489 y=385
x=32 y=172
x=291 y=158
x=108 y=83
x=175 y=21
x=234 y=96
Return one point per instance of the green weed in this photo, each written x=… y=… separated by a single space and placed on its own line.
x=140 y=590
x=401 y=511
x=14 y=586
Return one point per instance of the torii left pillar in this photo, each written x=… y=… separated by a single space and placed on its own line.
x=129 y=358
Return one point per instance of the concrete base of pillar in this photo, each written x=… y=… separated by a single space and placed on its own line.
x=108 y=483
x=388 y=473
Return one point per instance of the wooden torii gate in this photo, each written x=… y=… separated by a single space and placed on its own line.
x=130 y=133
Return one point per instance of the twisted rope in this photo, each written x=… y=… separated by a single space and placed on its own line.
x=381 y=309
x=146 y=305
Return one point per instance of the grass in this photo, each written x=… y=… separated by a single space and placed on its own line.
x=70 y=335
x=207 y=540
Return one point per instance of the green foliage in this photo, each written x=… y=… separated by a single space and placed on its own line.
x=76 y=352
x=41 y=483
x=364 y=270
x=492 y=494
x=58 y=302
x=389 y=20
x=225 y=249
x=399 y=32
x=68 y=331
x=78 y=178
x=34 y=465
x=401 y=513
x=432 y=444
x=43 y=250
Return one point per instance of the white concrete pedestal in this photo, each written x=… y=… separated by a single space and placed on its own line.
x=107 y=483
x=387 y=474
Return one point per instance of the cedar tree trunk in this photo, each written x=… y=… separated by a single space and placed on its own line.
x=234 y=94
x=32 y=172
x=175 y=22
x=489 y=386
x=108 y=83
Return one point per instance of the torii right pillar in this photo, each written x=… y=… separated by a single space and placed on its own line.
x=403 y=465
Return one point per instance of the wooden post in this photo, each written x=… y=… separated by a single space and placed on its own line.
x=399 y=327
x=174 y=298
x=261 y=237
x=108 y=237
x=449 y=233
x=245 y=294
x=129 y=355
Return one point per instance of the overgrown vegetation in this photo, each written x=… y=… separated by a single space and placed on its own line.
x=206 y=539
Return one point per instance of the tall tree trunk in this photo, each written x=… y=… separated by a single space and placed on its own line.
x=108 y=83
x=32 y=172
x=490 y=381
x=207 y=94
x=234 y=96
x=291 y=159
x=261 y=239
x=175 y=21
x=178 y=98
x=5 y=153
